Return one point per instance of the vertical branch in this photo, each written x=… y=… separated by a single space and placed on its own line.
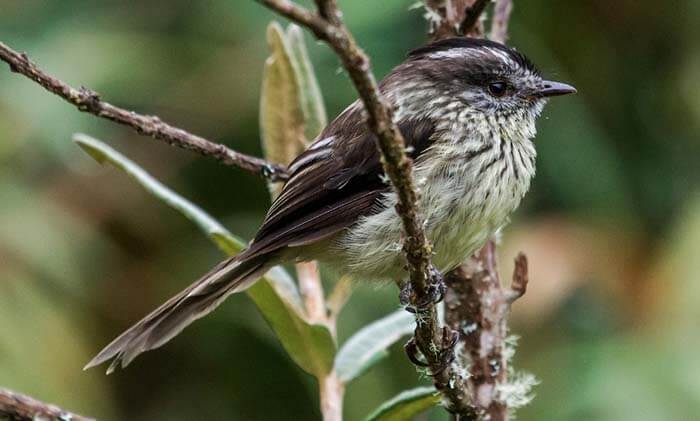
x=332 y=391
x=449 y=18
x=471 y=24
x=433 y=342
x=477 y=305
x=476 y=299
x=312 y=291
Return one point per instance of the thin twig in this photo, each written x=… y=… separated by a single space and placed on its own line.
x=17 y=407
x=450 y=18
x=89 y=101
x=518 y=286
x=472 y=15
x=499 y=23
x=390 y=141
x=328 y=26
x=475 y=303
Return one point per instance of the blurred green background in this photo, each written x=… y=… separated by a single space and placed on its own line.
x=610 y=325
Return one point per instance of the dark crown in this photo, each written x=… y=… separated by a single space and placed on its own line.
x=452 y=43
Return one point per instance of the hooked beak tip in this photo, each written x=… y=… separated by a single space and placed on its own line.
x=550 y=88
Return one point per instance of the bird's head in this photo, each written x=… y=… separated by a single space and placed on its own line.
x=488 y=79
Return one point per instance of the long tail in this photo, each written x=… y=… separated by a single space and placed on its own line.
x=199 y=299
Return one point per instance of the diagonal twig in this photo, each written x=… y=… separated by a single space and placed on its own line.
x=89 y=101
x=450 y=18
x=390 y=141
x=328 y=26
x=472 y=15
x=15 y=406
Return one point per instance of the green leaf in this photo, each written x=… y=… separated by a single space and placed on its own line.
x=310 y=346
x=281 y=113
x=406 y=405
x=369 y=345
x=105 y=154
x=315 y=118
x=276 y=295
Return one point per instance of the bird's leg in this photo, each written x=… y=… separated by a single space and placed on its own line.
x=434 y=294
x=444 y=355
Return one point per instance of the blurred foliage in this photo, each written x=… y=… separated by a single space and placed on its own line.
x=612 y=224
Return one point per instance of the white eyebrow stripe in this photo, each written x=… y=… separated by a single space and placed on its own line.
x=452 y=53
x=471 y=52
x=501 y=54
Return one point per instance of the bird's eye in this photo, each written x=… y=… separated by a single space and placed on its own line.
x=498 y=88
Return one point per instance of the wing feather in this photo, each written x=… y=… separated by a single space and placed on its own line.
x=335 y=182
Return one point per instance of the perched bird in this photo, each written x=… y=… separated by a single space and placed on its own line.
x=467 y=110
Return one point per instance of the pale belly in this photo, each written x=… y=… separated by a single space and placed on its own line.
x=464 y=206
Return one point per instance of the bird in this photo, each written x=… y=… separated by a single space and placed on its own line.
x=467 y=109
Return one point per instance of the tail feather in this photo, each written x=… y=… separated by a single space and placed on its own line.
x=199 y=299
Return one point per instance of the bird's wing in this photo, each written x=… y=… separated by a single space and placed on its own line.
x=333 y=183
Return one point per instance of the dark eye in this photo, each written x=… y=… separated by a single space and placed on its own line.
x=498 y=88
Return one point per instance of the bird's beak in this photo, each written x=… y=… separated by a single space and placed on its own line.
x=549 y=88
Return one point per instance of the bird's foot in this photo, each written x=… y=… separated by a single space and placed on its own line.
x=445 y=355
x=434 y=294
x=412 y=352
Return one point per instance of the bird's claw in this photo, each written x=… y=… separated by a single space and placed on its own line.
x=434 y=294
x=412 y=352
x=447 y=351
x=445 y=357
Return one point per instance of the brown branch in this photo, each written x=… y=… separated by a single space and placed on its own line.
x=456 y=18
x=477 y=304
x=17 y=407
x=312 y=291
x=390 y=141
x=89 y=101
x=499 y=23
x=331 y=393
x=518 y=286
x=472 y=15
x=328 y=26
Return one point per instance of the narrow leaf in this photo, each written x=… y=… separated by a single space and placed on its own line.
x=281 y=112
x=315 y=118
x=406 y=405
x=276 y=295
x=369 y=345
x=311 y=346
x=105 y=154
